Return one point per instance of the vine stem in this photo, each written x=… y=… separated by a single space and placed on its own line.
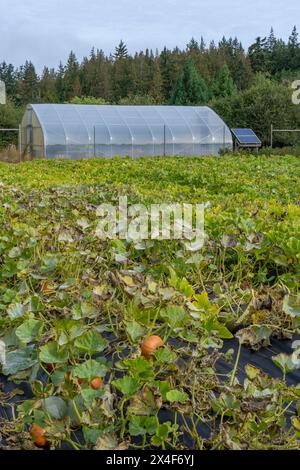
x=76 y=410
x=236 y=364
x=75 y=446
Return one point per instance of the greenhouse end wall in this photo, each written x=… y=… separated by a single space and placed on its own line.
x=83 y=131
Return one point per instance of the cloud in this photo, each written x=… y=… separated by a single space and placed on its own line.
x=45 y=32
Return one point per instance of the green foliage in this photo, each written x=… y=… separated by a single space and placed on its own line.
x=10 y=117
x=259 y=106
x=87 y=100
x=137 y=100
x=223 y=84
x=189 y=89
x=224 y=72
x=74 y=310
x=121 y=51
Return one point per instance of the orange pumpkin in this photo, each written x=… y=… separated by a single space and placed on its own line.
x=96 y=383
x=41 y=441
x=37 y=431
x=150 y=345
x=38 y=435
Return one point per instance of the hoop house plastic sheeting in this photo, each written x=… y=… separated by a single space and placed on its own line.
x=79 y=131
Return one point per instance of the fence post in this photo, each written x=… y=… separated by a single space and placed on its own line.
x=164 y=140
x=20 y=143
x=94 y=141
x=271 y=140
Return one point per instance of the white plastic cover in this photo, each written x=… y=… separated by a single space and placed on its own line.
x=78 y=131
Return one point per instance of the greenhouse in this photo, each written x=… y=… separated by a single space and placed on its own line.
x=81 y=131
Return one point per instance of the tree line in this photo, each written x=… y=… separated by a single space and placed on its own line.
x=246 y=87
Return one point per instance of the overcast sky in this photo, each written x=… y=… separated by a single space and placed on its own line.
x=44 y=31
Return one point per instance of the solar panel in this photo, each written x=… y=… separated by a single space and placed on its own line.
x=246 y=137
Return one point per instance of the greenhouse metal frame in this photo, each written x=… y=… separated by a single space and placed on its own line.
x=82 y=131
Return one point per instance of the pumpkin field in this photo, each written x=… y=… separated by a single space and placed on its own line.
x=112 y=344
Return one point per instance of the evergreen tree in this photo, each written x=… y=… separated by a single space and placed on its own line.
x=121 y=73
x=9 y=76
x=258 y=55
x=28 y=84
x=294 y=50
x=192 y=45
x=48 y=86
x=156 y=88
x=189 y=89
x=72 y=78
x=168 y=74
x=271 y=41
x=60 y=84
x=121 y=51
x=223 y=85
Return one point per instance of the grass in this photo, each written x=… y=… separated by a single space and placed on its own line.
x=84 y=306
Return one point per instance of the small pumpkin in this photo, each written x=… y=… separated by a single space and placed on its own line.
x=96 y=383
x=36 y=430
x=41 y=441
x=150 y=345
x=38 y=435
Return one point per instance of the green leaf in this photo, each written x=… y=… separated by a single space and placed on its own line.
x=65 y=236
x=91 y=435
x=222 y=330
x=296 y=422
x=51 y=353
x=58 y=376
x=166 y=355
x=141 y=425
x=89 y=370
x=174 y=316
x=161 y=434
x=16 y=311
x=20 y=359
x=29 y=330
x=291 y=305
x=135 y=330
x=176 y=396
x=89 y=395
x=140 y=368
x=163 y=387
x=56 y=407
x=83 y=310
x=127 y=385
x=91 y=342
x=285 y=362
x=202 y=300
